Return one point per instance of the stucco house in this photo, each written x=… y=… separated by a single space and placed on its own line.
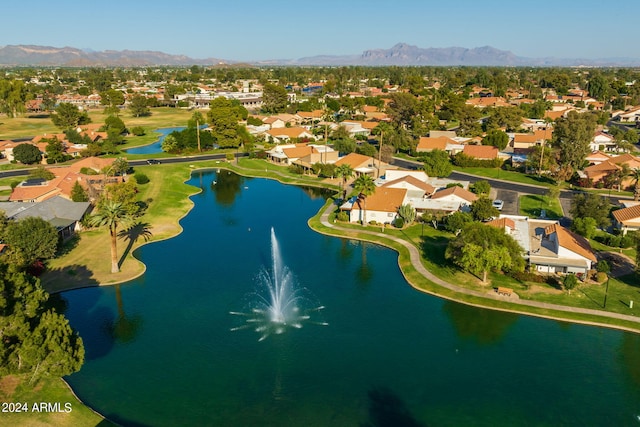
x=627 y=219
x=382 y=206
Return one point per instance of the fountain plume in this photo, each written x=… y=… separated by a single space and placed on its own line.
x=278 y=304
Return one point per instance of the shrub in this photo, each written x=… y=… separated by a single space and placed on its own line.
x=398 y=222
x=297 y=169
x=527 y=276
x=570 y=281
x=229 y=157
x=601 y=277
x=138 y=130
x=343 y=216
x=141 y=178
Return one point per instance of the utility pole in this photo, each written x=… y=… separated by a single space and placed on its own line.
x=380 y=153
x=198 y=132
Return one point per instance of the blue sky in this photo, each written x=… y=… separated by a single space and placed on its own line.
x=284 y=29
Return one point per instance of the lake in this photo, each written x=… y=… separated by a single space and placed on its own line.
x=161 y=350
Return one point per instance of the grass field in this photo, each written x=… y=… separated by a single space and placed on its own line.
x=16 y=389
x=532 y=204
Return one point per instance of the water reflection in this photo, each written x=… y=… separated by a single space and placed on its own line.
x=482 y=326
x=226 y=187
x=386 y=409
x=629 y=356
x=364 y=274
x=125 y=328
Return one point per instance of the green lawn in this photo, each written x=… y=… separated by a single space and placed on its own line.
x=497 y=173
x=532 y=204
x=16 y=389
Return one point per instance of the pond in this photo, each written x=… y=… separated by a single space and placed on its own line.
x=155 y=147
x=163 y=350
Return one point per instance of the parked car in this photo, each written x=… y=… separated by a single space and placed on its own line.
x=498 y=204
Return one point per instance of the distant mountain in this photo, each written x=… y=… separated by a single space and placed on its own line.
x=72 y=57
x=408 y=55
x=401 y=54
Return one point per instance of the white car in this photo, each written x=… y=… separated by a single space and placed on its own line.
x=498 y=204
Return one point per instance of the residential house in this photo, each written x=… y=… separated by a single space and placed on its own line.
x=382 y=206
x=631 y=115
x=37 y=190
x=364 y=165
x=597 y=157
x=283 y=135
x=547 y=246
x=627 y=219
x=481 y=152
x=62 y=213
x=603 y=141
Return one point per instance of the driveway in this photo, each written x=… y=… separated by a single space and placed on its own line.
x=511 y=203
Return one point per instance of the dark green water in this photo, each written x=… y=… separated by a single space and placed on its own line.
x=160 y=351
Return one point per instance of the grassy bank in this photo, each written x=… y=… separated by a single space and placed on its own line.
x=16 y=389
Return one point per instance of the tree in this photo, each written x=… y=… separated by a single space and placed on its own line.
x=572 y=135
x=170 y=144
x=29 y=240
x=496 y=138
x=402 y=109
x=591 y=205
x=68 y=116
x=35 y=339
x=78 y=193
x=42 y=173
x=55 y=151
x=570 y=282
x=274 y=98
x=112 y=214
x=482 y=209
x=115 y=125
x=120 y=166
x=139 y=106
x=112 y=99
x=27 y=153
x=345 y=172
x=635 y=175
x=407 y=213
x=456 y=221
x=481 y=187
x=584 y=226
x=480 y=248
x=365 y=187
x=223 y=120
x=437 y=163
x=196 y=120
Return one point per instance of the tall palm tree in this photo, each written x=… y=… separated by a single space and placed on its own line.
x=345 y=172
x=365 y=186
x=112 y=214
x=635 y=176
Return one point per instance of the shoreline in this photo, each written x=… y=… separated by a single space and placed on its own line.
x=323 y=215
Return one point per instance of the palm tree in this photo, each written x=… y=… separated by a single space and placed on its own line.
x=112 y=215
x=635 y=176
x=365 y=186
x=345 y=172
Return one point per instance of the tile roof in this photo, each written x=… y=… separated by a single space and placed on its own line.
x=411 y=180
x=354 y=160
x=502 y=223
x=481 y=151
x=455 y=191
x=571 y=241
x=626 y=214
x=292 y=132
x=604 y=166
x=428 y=143
x=385 y=199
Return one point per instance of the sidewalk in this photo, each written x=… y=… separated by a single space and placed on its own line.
x=415 y=258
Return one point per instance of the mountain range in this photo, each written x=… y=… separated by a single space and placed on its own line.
x=401 y=54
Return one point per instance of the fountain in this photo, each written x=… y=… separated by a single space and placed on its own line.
x=277 y=304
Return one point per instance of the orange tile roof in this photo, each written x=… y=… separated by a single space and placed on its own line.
x=354 y=160
x=385 y=199
x=604 y=166
x=625 y=158
x=502 y=223
x=626 y=214
x=292 y=132
x=455 y=191
x=428 y=188
x=298 y=152
x=481 y=151
x=427 y=143
x=571 y=241
x=526 y=138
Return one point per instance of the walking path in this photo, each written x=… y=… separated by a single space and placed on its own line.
x=415 y=258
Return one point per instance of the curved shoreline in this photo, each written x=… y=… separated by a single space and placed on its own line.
x=415 y=260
